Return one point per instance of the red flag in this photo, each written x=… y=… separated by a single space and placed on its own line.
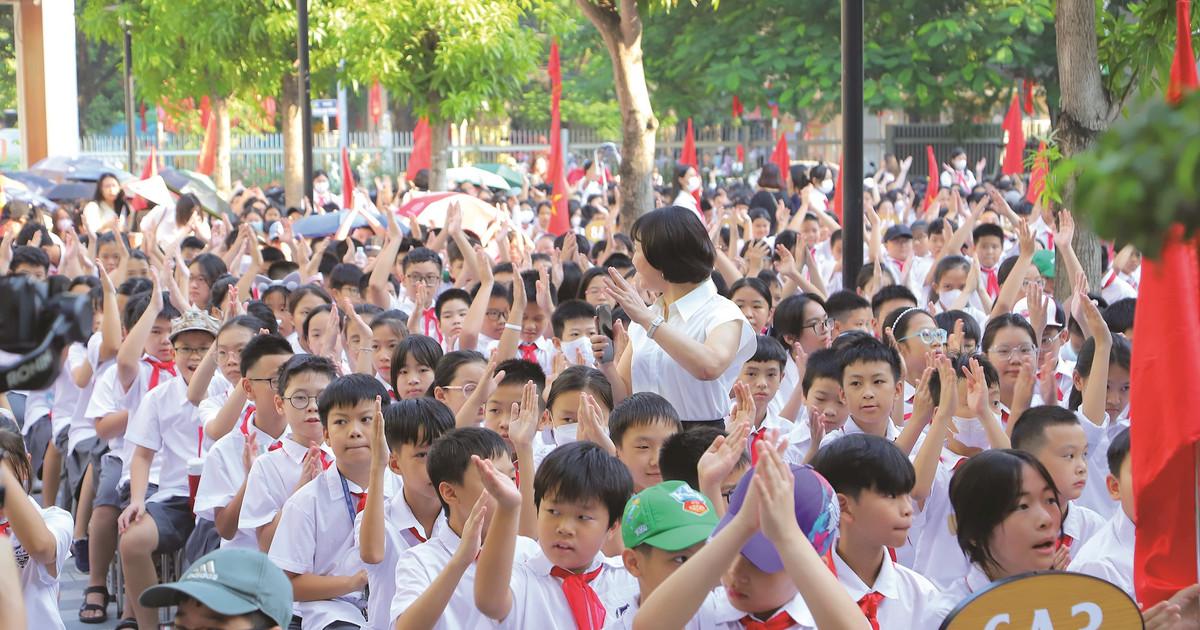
x=375 y=103
x=738 y=110
x=556 y=174
x=1037 y=179
x=208 y=148
x=347 y=181
x=1014 y=151
x=837 y=193
x=1027 y=88
x=688 y=155
x=143 y=116
x=741 y=153
x=780 y=156
x=205 y=111
x=422 y=150
x=931 y=190
x=1164 y=424
x=269 y=106
x=149 y=169
x=1183 y=69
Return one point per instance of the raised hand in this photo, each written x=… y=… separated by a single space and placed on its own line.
x=497 y=484
x=743 y=410
x=722 y=456
x=593 y=423
x=472 y=532
x=977 y=390
x=777 y=500
x=250 y=450
x=624 y=294
x=523 y=423
x=379 y=447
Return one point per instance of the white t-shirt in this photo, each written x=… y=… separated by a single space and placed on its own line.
x=713 y=605
x=82 y=427
x=40 y=583
x=696 y=315
x=958 y=590
x=168 y=424
x=223 y=476
x=103 y=400
x=1109 y=554
x=938 y=556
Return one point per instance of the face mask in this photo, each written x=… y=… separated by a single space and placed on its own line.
x=565 y=434
x=693 y=184
x=971 y=433
x=576 y=221
x=321 y=187
x=257 y=225
x=948 y=298
x=65 y=225
x=526 y=216
x=827 y=186
x=1067 y=353
x=899 y=206
x=960 y=164
x=582 y=344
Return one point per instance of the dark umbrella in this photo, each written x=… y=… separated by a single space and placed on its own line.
x=33 y=182
x=68 y=191
x=61 y=168
x=319 y=225
x=31 y=198
x=182 y=182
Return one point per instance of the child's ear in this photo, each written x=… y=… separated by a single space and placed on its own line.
x=845 y=505
x=325 y=433
x=278 y=404
x=1114 y=487
x=899 y=388
x=245 y=385
x=631 y=559
x=842 y=395
x=393 y=463
x=545 y=421
x=439 y=394
x=448 y=493
x=1077 y=380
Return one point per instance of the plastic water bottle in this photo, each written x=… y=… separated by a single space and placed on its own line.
x=360 y=257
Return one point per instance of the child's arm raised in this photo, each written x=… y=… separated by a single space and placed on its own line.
x=377 y=292
x=371 y=538
x=427 y=609
x=979 y=402
x=510 y=338
x=134 y=344
x=1012 y=284
x=468 y=415
x=110 y=320
x=522 y=428
x=468 y=339
x=1095 y=392
x=922 y=405
x=26 y=521
x=717 y=462
x=926 y=461
x=493 y=576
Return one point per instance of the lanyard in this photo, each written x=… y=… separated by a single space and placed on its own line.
x=349 y=502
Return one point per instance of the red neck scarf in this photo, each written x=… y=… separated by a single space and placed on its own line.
x=159 y=367
x=781 y=621
x=585 y=605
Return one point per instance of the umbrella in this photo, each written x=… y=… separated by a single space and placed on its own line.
x=152 y=189
x=430 y=211
x=29 y=197
x=29 y=180
x=510 y=175
x=320 y=225
x=182 y=182
x=477 y=176
x=68 y=191
x=60 y=168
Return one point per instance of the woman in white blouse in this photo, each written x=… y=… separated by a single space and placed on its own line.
x=690 y=344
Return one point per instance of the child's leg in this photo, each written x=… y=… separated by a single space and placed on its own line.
x=102 y=527
x=137 y=561
x=83 y=509
x=51 y=474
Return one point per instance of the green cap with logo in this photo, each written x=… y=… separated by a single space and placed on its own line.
x=1043 y=259
x=230 y=582
x=670 y=516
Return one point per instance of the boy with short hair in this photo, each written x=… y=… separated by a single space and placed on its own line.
x=435 y=582
x=451 y=308
x=574 y=323
x=823 y=395
x=761 y=375
x=680 y=460
x=343 y=283
x=579 y=493
x=508 y=392
x=989 y=247
x=871 y=382
x=314 y=541
x=298 y=456
x=422 y=278
x=638 y=426
x=873 y=479
x=850 y=311
x=532 y=315
x=384 y=530
x=1109 y=553
x=887 y=299
x=167 y=427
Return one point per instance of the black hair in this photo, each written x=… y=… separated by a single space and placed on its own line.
x=245 y=322
x=29 y=255
x=961 y=362
x=841 y=304
x=520 y=371
x=264 y=315
x=888 y=293
x=617 y=261
x=530 y=278
x=1002 y=321
x=860 y=462
x=447 y=367
x=868 y=350
x=304 y=364
x=946 y=320
x=755 y=284
x=137 y=305
x=598 y=271
x=900 y=319
x=581 y=378
x=133 y=286
x=1119 y=315
x=396 y=321
x=1029 y=429
x=261 y=346
x=421 y=255
x=219 y=291
x=449 y=295
x=119 y=204
x=675 y=243
x=680 y=170
x=191 y=242
x=417 y=422
x=568 y=310
x=304 y=291
x=581 y=472
x=639 y=410
x=770 y=177
x=682 y=451
x=769 y=350
x=788 y=320
x=12 y=448
x=823 y=363
x=1118 y=451
x=324 y=308
x=29 y=230
x=984 y=491
x=987 y=229
x=210 y=267
x=349 y=391
x=426 y=350
x=344 y=275
x=1121 y=354
x=1003 y=270
x=450 y=455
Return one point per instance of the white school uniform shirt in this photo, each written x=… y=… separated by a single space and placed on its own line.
x=81 y=426
x=1113 y=288
x=223 y=475
x=419 y=566
x=401 y=532
x=219 y=390
x=957 y=591
x=1081 y=524
x=695 y=315
x=544 y=350
x=1095 y=495
x=907 y=596
x=37 y=404
x=537 y=596
x=316 y=535
x=936 y=554
x=65 y=393
x=726 y=617
x=40 y=587
x=272 y=479
x=294 y=339
x=916 y=275
x=167 y=423
x=104 y=400
x=788 y=382
x=715 y=604
x=1109 y=554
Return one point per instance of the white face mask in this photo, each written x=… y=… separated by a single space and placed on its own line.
x=565 y=434
x=576 y=220
x=971 y=433
x=526 y=216
x=948 y=298
x=827 y=186
x=960 y=164
x=900 y=207
x=1067 y=353
x=693 y=184
x=321 y=188
x=580 y=345
x=65 y=225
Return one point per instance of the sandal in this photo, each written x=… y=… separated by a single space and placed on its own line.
x=79 y=549
x=127 y=624
x=101 y=608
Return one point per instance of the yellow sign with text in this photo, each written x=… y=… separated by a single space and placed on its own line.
x=1047 y=600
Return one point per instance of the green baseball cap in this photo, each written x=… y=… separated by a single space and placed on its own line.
x=230 y=582
x=670 y=516
x=1043 y=259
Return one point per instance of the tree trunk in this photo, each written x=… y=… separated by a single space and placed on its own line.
x=622 y=34
x=220 y=109
x=293 y=141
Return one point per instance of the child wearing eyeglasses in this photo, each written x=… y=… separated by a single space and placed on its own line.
x=916 y=336
x=1010 y=343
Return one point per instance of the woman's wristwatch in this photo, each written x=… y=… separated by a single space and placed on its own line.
x=658 y=321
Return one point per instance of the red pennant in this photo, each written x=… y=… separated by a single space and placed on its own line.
x=556 y=174
x=375 y=103
x=741 y=153
x=1037 y=179
x=143 y=111
x=205 y=111
x=347 y=181
x=1027 y=89
x=931 y=190
x=1183 y=68
x=1014 y=151
x=738 y=110
x=780 y=156
x=688 y=155
x=208 y=148
x=422 y=153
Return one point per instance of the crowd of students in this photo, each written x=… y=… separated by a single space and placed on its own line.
x=439 y=432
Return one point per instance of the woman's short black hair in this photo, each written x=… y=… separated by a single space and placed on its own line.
x=675 y=243
x=450 y=456
x=984 y=491
x=349 y=391
x=426 y=350
x=447 y=367
x=416 y=422
x=860 y=462
x=581 y=472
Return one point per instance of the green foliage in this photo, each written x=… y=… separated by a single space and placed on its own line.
x=8 y=60
x=1136 y=45
x=1141 y=178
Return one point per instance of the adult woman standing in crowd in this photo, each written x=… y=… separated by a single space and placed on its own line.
x=685 y=181
x=107 y=205
x=690 y=344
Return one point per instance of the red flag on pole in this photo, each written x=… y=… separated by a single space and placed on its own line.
x=738 y=110
x=208 y=148
x=931 y=190
x=837 y=193
x=1183 y=69
x=347 y=181
x=688 y=155
x=780 y=156
x=741 y=153
x=556 y=174
x=143 y=111
x=1014 y=151
x=1027 y=89
x=1037 y=179
x=375 y=103
x=422 y=150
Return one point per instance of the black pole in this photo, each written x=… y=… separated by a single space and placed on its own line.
x=130 y=140
x=305 y=103
x=852 y=141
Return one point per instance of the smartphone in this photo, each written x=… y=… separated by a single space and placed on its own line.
x=604 y=325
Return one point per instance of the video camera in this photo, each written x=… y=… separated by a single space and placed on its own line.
x=34 y=330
